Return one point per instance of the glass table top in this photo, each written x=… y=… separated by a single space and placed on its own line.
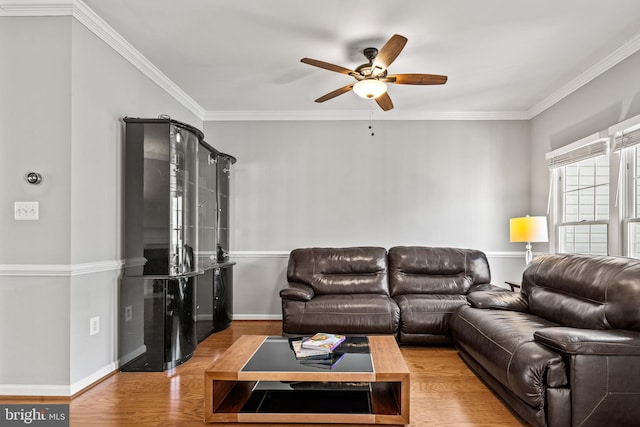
x=276 y=355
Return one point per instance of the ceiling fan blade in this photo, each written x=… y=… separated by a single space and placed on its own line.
x=326 y=66
x=384 y=101
x=335 y=93
x=389 y=52
x=416 y=79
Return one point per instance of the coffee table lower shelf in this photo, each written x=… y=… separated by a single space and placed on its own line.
x=378 y=397
x=271 y=402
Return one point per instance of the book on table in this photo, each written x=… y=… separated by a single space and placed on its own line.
x=306 y=353
x=323 y=342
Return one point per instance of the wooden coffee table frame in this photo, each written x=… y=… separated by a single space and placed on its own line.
x=227 y=388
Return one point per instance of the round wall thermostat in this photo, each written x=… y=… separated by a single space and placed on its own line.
x=34 y=178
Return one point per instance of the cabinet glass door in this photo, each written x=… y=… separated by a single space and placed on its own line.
x=183 y=199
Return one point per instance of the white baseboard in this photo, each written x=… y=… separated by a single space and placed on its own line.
x=132 y=355
x=34 y=390
x=257 y=317
x=87 y=381
x=55 y=390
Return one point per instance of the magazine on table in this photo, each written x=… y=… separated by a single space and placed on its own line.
x=323 y=342
x=306 y=353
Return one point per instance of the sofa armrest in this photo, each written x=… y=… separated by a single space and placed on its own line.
x=590 y=341
x=297 y=291
x=486 y=287
x=499 y=300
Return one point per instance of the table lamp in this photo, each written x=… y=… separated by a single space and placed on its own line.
x=528 y=229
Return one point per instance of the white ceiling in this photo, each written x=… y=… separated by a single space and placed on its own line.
x=500 y=55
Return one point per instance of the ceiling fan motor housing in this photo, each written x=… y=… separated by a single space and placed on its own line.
x=370 y=53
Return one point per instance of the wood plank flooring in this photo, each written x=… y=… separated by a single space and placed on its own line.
x=444 y=392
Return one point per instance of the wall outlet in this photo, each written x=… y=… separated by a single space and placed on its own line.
x=94 y=325
x=128 y=313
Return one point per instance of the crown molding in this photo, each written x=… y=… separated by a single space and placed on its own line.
x=87 y=17
x=338 y=115
x=611 y=60
x=100 y=28
x=36 y=8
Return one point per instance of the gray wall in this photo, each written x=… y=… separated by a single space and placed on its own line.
x=63 y=93
x=330 y=183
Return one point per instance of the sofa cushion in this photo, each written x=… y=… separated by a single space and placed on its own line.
x=340 y=270
x=581 y=291
x=350 y=314
x=427 y=314
x=430 y=270
x=503 y=343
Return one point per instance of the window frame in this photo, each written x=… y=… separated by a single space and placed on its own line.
x=590 y=147
x=631 y=209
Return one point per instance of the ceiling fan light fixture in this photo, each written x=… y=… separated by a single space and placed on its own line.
x=369 y=88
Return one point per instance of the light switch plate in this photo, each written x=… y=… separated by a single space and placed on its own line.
x=26 y=211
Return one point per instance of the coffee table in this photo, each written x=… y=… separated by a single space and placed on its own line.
x=259 y=380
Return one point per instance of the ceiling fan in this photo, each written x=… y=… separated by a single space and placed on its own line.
x=372 y=76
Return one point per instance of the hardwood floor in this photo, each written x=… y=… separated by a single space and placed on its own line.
x=444 y=392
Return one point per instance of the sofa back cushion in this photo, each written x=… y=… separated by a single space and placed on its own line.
x=340 y=270
x=428 y=270
x=582 y=291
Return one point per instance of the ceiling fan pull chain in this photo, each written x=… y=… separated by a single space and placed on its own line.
x=371 y=122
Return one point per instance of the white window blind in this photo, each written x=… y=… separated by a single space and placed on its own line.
x=627 y=138
x=587 y=148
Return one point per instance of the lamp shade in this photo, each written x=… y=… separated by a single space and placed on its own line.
x=369 y=88
x=528 y=229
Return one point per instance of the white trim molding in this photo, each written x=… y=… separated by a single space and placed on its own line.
x=34 y=390
x=259 y=254
x=54 y=389
x=285 y=254
x=614 y=58
x=363 y=115
x=87 y=17
x=257 y=317
x=59 y=270
x=87 y=381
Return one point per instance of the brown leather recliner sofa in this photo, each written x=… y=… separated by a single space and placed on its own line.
x=409 y=291
x=566 y=350
x=429 y=283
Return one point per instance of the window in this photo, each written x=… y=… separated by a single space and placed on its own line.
x=627 y=142
x=594 y=198
x=581 y=203
x=584 y=206
x=633 y=220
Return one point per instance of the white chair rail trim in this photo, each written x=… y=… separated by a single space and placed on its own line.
x=285 y=254
x=60 y=270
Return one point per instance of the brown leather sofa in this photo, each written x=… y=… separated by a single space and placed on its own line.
x=566 y=350
x=428 y=284
x=409 y=292
x=338 y=290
